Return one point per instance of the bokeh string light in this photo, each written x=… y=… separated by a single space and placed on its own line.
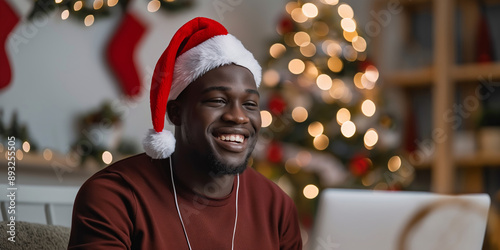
x=299 y=114
x=154 y=6
x=277 y=50
x=90 y=11
x=266 y=118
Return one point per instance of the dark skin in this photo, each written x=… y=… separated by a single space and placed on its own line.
x=217 y=120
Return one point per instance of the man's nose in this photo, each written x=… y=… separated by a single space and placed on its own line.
x=236 y=113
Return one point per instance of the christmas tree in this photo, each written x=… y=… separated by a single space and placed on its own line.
x=323 y=118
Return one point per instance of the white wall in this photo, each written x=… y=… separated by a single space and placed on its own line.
x=59 y=70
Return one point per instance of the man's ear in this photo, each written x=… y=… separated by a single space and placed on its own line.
x=174 y=112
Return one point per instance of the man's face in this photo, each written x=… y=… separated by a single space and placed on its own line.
x=220 y=119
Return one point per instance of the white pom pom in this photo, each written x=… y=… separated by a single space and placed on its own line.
x=159 y=145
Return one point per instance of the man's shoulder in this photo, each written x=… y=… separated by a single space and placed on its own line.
x=131 y=162
x=139 y=166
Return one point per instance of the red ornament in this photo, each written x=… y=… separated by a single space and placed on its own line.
x=9 y=21
x=285 y=25
x=276 y=104
x=362 y=65
x=275 y=152
x=484 y=46
x=359 y=165
x=121 y=52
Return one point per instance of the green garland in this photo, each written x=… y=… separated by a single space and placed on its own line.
x=44 y=7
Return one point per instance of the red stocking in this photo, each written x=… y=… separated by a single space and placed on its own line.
x=9 y=21
x=121 y=51
x=484 y=46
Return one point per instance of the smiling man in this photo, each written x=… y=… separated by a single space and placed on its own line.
x=192 y=190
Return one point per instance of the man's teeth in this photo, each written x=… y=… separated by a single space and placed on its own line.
x=232 y=138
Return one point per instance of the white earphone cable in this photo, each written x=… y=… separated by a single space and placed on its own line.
x=177 y=204
x=236 y=217
x=179 y=211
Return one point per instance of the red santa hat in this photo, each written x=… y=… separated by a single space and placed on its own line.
x=199 y=46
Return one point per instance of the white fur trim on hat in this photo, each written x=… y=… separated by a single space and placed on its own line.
x=159 y=145
x=210 y=54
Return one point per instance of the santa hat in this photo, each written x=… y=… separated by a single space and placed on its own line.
x=199 y=46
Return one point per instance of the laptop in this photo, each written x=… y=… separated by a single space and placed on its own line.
x=403 y=220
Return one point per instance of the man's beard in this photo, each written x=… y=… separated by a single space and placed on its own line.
x=215 y=166
x=218 y=168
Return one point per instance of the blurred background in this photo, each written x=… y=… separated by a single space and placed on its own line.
x=365 y=94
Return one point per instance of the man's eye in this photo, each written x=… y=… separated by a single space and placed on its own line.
x=217 y=101
x=251 y=105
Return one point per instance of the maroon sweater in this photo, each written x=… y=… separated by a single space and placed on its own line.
x=130 y=205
